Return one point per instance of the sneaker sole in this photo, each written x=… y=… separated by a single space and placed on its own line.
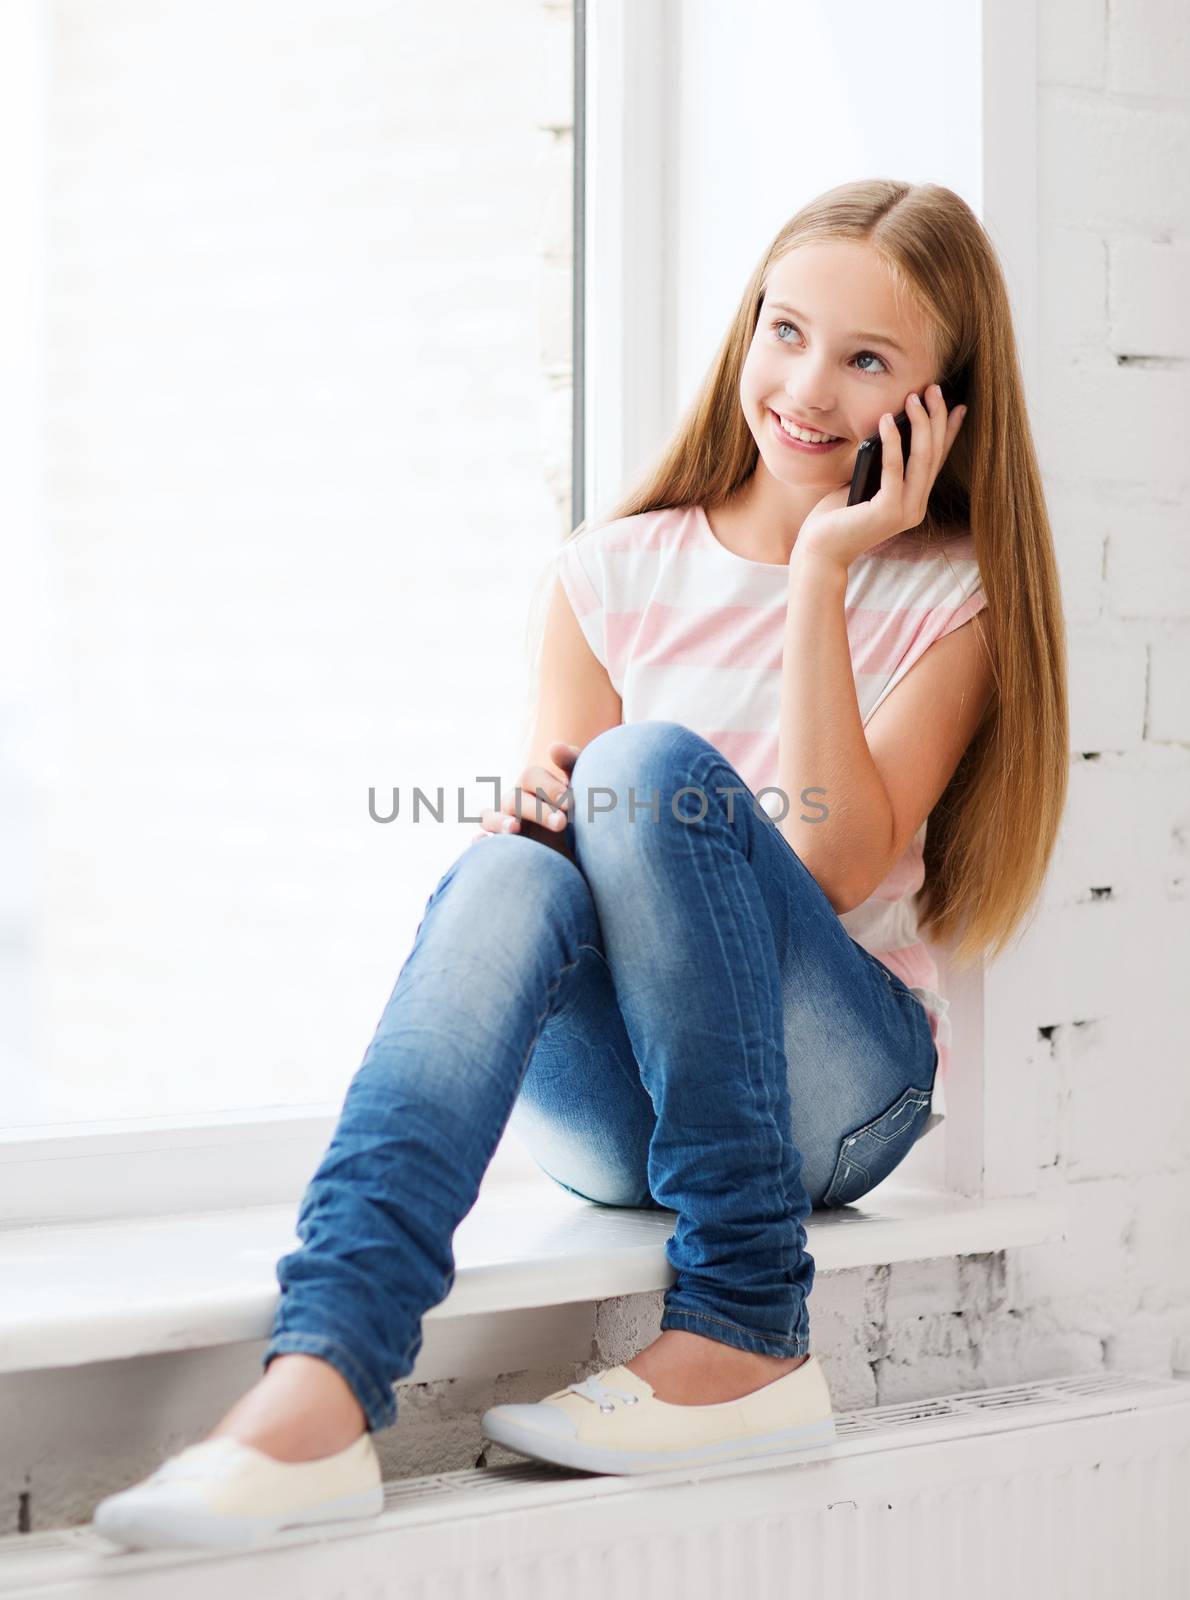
x=159 y=1529
x=599 y=1458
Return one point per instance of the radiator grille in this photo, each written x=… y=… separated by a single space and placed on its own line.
x=1072 y=1487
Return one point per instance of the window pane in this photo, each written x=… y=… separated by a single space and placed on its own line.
x=307 y=433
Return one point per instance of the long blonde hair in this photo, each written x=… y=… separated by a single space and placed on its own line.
x=993 y=830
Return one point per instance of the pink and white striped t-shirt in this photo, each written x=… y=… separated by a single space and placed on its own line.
x=690 y=632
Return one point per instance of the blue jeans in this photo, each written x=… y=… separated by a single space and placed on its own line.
x=676 y=1019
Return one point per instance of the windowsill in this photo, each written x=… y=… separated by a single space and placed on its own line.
x=85 y=1292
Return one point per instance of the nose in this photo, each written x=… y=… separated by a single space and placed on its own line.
x=812 y=387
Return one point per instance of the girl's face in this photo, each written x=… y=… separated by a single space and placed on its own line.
x=833 y=350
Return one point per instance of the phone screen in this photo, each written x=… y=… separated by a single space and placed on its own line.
x=869 y=458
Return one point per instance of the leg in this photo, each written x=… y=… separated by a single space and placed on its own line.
x=754 y=1017
x=692 y=955
x=583 y=1112
x=497 y=948
x=587 y=1119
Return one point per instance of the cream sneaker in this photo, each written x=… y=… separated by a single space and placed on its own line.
x=222 y=1492
x=613 y=1422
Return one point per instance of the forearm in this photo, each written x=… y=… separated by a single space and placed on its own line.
x=839 y=819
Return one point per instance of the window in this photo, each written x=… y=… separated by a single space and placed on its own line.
x=305 y=357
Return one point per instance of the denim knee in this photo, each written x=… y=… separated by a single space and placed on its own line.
x=508 y=867
x=634 y=771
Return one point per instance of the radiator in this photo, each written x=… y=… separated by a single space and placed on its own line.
x=1076 y=1486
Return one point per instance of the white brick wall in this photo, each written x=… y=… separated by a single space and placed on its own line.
x=1109 y=990
x=308 y=372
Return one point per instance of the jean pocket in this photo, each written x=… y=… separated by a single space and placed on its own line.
x=870 y=1153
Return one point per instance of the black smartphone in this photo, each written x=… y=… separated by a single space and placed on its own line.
x=869 y=458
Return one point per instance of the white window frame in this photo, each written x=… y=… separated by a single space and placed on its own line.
x=150 y=1166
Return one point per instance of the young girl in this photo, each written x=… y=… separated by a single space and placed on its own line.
x=692 y=966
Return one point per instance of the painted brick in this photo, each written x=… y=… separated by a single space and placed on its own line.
x=1149 y=311
x=1107 y=166
x=1073 y=272
x=1147 y=561
x=1169 y=688
x=1071 y=42
x=1080 y=524
x=1149 y=47
x=1105 y=424
x=1107 y=688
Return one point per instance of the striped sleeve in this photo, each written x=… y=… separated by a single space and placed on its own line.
x=964 y=605
x=581 y=572
x=949 y=597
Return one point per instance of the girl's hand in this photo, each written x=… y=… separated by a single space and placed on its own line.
x=544 y=820
x=844 y=532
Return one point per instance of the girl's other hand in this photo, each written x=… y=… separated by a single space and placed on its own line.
x=520 y=809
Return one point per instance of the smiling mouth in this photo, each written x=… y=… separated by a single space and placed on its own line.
x=810 y=437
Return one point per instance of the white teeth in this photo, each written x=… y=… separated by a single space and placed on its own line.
x=804 y=433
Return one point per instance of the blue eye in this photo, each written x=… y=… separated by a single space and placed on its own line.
x=864 y=355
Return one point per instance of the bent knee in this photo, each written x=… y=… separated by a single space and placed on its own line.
x=655 y=739
x=636 y=771
x=510 y=872
x=520 y=860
